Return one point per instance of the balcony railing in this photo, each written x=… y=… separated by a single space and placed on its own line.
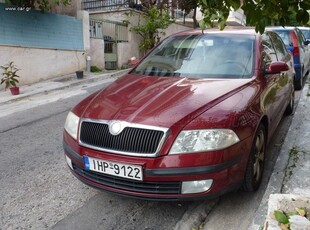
x=96 y=5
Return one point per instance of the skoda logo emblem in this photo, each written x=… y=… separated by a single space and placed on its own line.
x=115 y=127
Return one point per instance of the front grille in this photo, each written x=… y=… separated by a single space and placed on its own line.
x=130 y=140
x=130 y=185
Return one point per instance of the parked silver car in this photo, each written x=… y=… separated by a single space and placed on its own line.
x=295 y=42
x=306 y=32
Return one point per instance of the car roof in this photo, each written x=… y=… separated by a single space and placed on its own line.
x=303 y=28
x=280 y=28
x=227 y=30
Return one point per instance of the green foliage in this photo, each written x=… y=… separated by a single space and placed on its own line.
x=284 y=218
x=95 y=69
x=217 y=11
x=9 y=78
x=155 y=21
x=281 y=217
x=200 y=227
x=43 y=5
x=260 y=13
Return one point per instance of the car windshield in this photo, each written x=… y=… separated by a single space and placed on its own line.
x=201 y=56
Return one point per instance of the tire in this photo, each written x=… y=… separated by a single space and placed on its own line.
x=290 y=107
x=255 y=166
x=298 y=82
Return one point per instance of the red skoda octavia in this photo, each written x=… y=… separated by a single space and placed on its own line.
x=190 y=120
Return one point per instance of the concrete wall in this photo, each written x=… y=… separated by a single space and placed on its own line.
x=175 y=28
x=96 y=52
x=43 y=45
x=40 y=64
x=124 y=50
x=35 y=29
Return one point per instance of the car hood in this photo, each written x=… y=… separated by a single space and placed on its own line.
x=160 y=101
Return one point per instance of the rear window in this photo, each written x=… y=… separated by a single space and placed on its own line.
x=201 y=56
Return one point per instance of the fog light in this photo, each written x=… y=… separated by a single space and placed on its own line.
x=196 y=186
x=69 y=162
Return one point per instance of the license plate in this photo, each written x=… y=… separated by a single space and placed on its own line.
x=129 y=171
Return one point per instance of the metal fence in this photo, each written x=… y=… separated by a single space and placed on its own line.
x=95 y=5
x=108 y=30
x=95 y=28
x=112 y=33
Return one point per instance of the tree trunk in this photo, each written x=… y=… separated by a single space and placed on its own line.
x=194 y=18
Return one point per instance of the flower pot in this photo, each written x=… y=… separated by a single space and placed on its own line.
x=79 y=74
x=14 y=90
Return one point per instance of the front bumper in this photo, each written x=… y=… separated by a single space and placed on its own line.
x=163 y=183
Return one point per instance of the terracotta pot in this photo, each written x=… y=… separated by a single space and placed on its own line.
x=14 y=90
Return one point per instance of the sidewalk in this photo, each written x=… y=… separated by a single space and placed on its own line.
x=289 y=184
x=57 y=83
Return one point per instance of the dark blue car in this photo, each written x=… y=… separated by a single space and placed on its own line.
x=298 y=45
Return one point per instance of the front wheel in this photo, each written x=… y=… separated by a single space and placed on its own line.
x=290 y=107
x=255 y=165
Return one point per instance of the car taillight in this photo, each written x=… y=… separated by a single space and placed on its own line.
x=295 y=44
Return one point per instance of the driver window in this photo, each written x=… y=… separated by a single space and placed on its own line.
x=269 y=54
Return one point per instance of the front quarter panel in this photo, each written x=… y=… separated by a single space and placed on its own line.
x=240 y=112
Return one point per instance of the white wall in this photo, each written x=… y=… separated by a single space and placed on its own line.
x=175 y=28
x=97 y=52
x=41 y=64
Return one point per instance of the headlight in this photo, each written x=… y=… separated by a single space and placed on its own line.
x=71 y=125
x=190 y=141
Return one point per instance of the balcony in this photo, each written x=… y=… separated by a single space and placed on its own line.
x=104 y=5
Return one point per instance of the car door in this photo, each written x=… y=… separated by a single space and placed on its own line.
x=285 y=78
x=273 y=95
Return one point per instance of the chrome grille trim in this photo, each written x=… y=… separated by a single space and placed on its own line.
x=130 y=133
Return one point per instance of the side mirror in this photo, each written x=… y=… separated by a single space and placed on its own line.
x=307 y=42
x=277 y=67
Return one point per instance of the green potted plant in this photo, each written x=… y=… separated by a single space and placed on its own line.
x=9 y=78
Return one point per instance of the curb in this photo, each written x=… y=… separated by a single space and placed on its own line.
x=278 y=176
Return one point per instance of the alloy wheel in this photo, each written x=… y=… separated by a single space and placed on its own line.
x=259 y=156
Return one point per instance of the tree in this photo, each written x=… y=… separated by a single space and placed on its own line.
x=188 y=6
x=259 y=13
x=155 y=21
x=43 y=5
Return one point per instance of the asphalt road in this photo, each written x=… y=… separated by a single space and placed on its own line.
x=39 y=192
